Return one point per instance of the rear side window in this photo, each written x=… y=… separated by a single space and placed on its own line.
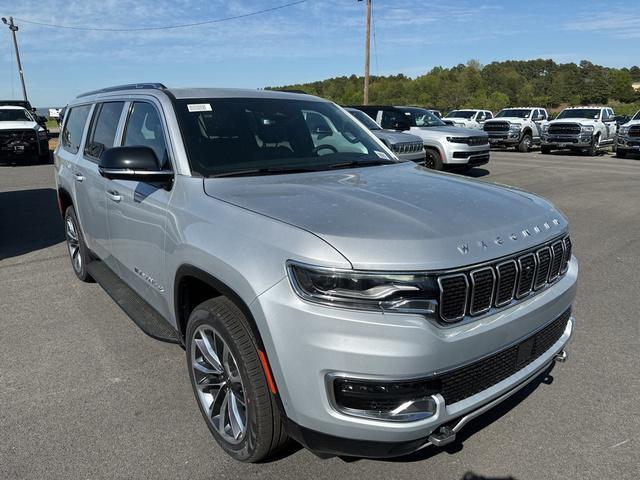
x=104 y=126
x=144 y=128
x=74 y=127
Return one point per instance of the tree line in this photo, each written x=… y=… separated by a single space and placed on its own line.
x=493 y=87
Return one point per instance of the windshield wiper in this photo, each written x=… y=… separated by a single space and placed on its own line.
x=263 y=171
x=360 y=163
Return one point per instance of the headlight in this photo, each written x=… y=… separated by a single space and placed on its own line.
x=624 y=130
x=42 y=134
x=401 y=293
x=587 y=128
x=515 y=127
x=457 y=139
x=545 y=128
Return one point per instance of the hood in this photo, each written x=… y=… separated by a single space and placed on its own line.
x=457 y=120
x=14 y=125
x=631 y=123
x=447 y=130
x=401 y=216
x=580 y=121
x=515 y=120
x=393 y=137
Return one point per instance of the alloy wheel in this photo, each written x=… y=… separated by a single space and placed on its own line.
x=219 y=385
x=73 y=243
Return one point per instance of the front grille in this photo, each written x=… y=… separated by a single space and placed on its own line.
x=564 y=129
x=453 y=296
x=634 y=131
x=476 y=377
x=408 y=147
x=7 y=136
x=477 y=290
x=496 y=126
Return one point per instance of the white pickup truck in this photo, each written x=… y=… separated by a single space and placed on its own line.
x=517 y=127
x=467 y=118
x=628 y=137
x=585 y=129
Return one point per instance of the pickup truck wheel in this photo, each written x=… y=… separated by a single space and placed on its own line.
x=595 y=146
x=545 y=149
x=78 y=251
x=433 y=160
x=229 y=382
x=525 y=143
x=621 y=153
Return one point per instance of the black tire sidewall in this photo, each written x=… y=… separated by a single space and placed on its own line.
x=437 y=159
x=247 y=449
x=523 y=146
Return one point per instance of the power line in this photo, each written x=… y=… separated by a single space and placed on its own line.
x=166 y=27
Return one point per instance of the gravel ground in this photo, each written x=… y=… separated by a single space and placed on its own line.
x=85 y=394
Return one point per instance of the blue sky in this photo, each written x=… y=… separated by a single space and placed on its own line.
x=311 y=41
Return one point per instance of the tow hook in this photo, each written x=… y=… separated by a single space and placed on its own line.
x=562 y=356
x=443 y=436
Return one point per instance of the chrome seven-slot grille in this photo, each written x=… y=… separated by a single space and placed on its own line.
x=475 y=291
x=564 y=129
x=408 y=147
x=496 y=126
x=21 y=134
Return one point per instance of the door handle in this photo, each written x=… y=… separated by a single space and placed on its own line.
x=113 y=195
x=78 y=177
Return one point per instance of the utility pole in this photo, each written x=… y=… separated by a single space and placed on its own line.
x=367 y=54
x=14 y=28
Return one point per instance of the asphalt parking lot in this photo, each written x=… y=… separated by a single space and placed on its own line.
x=85 y=394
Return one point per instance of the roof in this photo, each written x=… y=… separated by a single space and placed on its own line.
x=183 y=93
x=584 y=108
x=524 y=108
x=12 y=107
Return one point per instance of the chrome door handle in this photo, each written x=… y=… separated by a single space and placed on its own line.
x=113 y=195
x=78 y=177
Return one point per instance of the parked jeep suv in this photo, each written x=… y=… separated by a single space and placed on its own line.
x=628 y=137
x=446 y=146
x=517 y=127
x=322 y=289
x=404 y=145
x=580 y=129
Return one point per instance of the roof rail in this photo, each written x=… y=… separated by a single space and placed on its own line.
x=130 y=86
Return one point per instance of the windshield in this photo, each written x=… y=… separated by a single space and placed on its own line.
x=365 y=119
x=514 y=112
x=636 y=116
x=14 y=115
x=461 y=114
x=260 y=136
x=589 y=113
x=420 y=117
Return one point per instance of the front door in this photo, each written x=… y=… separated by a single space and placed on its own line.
x=137 y=211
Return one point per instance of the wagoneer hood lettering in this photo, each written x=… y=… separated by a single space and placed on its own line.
x=400 y=216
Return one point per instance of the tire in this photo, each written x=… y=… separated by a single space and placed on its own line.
x=621 y=153
x=592 y=151
x=248 y=425
x=525 y=143
x=433 y=160
x=544 y=149
x=78 y=252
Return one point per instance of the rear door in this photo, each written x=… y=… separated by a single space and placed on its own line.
x=137 y=211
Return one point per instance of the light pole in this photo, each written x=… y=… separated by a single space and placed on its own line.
x=367 y=44
x=14 y=28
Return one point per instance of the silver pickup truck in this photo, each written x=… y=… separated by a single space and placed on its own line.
x=322 y=289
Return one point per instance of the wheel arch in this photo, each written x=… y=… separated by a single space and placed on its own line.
x=64 y=200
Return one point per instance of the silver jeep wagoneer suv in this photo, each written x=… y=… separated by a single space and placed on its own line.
x=322 y=289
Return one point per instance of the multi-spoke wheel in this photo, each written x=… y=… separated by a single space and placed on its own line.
x=219 y=384
x=230 y=383
x=78 y=252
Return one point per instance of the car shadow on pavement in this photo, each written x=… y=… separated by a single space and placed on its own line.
x=29 y=221
x=473 y=427
x=477 y=172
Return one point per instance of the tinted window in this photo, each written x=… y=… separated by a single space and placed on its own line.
x=144 y=128
x=74 y=127
x=15 y=115
x=104 y=127
x=261 y=136
x=390 y=118
x=364 y=119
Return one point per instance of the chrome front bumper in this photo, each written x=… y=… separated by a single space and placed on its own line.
x=567 y=141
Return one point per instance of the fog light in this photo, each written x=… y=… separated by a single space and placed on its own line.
x=396 y=401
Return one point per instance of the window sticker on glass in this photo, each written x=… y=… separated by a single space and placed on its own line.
x=199 y=107
x=382 y=155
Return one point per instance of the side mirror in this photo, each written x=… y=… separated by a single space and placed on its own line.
x=42 y=121
x=539 y=118
x=138 y=164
